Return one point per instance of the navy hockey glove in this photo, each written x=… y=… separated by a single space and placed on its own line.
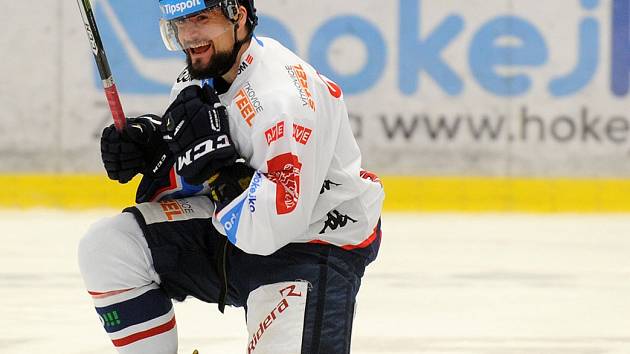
x=156 y=175
x=229 y=182
x=127 y=153
x=195 y=126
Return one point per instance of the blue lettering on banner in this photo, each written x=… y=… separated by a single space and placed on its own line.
x=420 y=50
x=486 y=55
x=588 y=57
x=366 y=33
x=620 y=70
x=424 y=55
x=231 y=219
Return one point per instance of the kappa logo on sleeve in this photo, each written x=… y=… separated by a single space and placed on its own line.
x=274 y=133
x=284 y=171
x=336 y=220
x=328 y=184
x=248 y=103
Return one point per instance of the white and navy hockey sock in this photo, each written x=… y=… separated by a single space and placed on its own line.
x=138 y=320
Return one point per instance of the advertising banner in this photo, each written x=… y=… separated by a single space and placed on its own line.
x=434 y=88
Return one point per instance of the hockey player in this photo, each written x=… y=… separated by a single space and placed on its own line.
x=252 y=196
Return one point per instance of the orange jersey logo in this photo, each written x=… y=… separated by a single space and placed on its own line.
x=300 y=81
x=248 y=103
x=171 y=208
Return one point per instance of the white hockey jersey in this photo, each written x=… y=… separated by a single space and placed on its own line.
x=291 y=124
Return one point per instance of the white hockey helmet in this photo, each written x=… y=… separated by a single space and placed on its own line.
x=201 y=17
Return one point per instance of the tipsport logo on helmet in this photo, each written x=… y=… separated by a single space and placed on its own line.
x=172 y=9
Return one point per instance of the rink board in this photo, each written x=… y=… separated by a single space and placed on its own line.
x=402 y=193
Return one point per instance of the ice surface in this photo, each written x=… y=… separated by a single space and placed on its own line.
x=447 y=284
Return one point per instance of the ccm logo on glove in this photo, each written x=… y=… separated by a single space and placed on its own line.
x=202 y=150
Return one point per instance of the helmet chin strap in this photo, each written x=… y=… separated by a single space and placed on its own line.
x=235 y=49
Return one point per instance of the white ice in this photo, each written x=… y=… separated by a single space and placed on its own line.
x=443 y=284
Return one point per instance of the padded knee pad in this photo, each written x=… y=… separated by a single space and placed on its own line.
x=113 y=255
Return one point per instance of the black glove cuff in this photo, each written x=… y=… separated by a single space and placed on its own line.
x=229 y=182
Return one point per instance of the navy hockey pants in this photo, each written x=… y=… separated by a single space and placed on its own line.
x=193 y=259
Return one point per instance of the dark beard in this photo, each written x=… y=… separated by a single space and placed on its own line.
x=220 y=63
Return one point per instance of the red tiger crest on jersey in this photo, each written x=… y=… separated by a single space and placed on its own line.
x=284 y=170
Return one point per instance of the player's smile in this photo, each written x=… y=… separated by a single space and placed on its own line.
x=200 y=50
x=204 y=51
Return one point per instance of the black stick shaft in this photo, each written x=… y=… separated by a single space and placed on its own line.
x=113 y=99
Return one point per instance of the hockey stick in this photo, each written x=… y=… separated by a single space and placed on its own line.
x=101 y=62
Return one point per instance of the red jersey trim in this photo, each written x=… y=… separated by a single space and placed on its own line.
x=368 y=241
x=98 y=295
